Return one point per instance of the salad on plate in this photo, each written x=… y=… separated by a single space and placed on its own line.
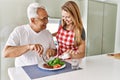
x=53 y=64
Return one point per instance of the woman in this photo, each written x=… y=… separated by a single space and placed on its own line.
x=71 y=35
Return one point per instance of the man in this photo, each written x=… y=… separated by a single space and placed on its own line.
x=28 y=42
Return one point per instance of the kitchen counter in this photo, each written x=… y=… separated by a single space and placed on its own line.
x=100 y=67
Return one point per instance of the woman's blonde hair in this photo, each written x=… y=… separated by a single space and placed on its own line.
x=72 y=8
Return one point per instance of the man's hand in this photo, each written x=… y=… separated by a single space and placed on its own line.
x=51 y=52
x=36 y=47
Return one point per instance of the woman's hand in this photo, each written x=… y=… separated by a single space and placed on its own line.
x=72 y=53
x=79 y=53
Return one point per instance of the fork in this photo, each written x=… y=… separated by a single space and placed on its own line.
x=44 y=59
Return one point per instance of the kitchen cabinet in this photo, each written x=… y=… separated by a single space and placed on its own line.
x=101 y=25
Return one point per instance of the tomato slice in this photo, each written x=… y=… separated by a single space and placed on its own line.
x=57 y=66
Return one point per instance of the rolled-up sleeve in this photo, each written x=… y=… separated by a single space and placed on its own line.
x=83 y=34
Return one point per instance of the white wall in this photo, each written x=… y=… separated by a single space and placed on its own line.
x=12 y=14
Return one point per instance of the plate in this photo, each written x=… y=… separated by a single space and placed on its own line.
x=51 y=69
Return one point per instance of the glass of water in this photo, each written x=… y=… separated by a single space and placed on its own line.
x=75 y=64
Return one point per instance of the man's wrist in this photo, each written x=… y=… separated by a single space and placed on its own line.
x=28 y=47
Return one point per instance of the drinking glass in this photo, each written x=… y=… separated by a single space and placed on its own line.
x=75 y=63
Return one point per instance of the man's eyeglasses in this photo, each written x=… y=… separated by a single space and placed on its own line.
x=43 y=19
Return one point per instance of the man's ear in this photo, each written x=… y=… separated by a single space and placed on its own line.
x=32 y=20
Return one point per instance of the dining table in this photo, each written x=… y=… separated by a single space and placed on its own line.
x=97 y=67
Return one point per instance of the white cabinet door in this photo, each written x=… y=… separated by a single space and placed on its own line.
x=109 y=27
x=101 y=27
x=94 y=28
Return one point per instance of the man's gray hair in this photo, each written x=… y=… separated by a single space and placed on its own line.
x=32 y=10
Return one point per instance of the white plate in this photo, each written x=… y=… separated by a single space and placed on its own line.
x=41 y=66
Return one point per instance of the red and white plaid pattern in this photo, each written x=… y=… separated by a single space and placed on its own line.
x=65 y=40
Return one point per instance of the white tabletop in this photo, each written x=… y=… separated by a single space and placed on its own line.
x=100 y=67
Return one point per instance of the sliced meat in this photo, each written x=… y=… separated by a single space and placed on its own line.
x=47 y=66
